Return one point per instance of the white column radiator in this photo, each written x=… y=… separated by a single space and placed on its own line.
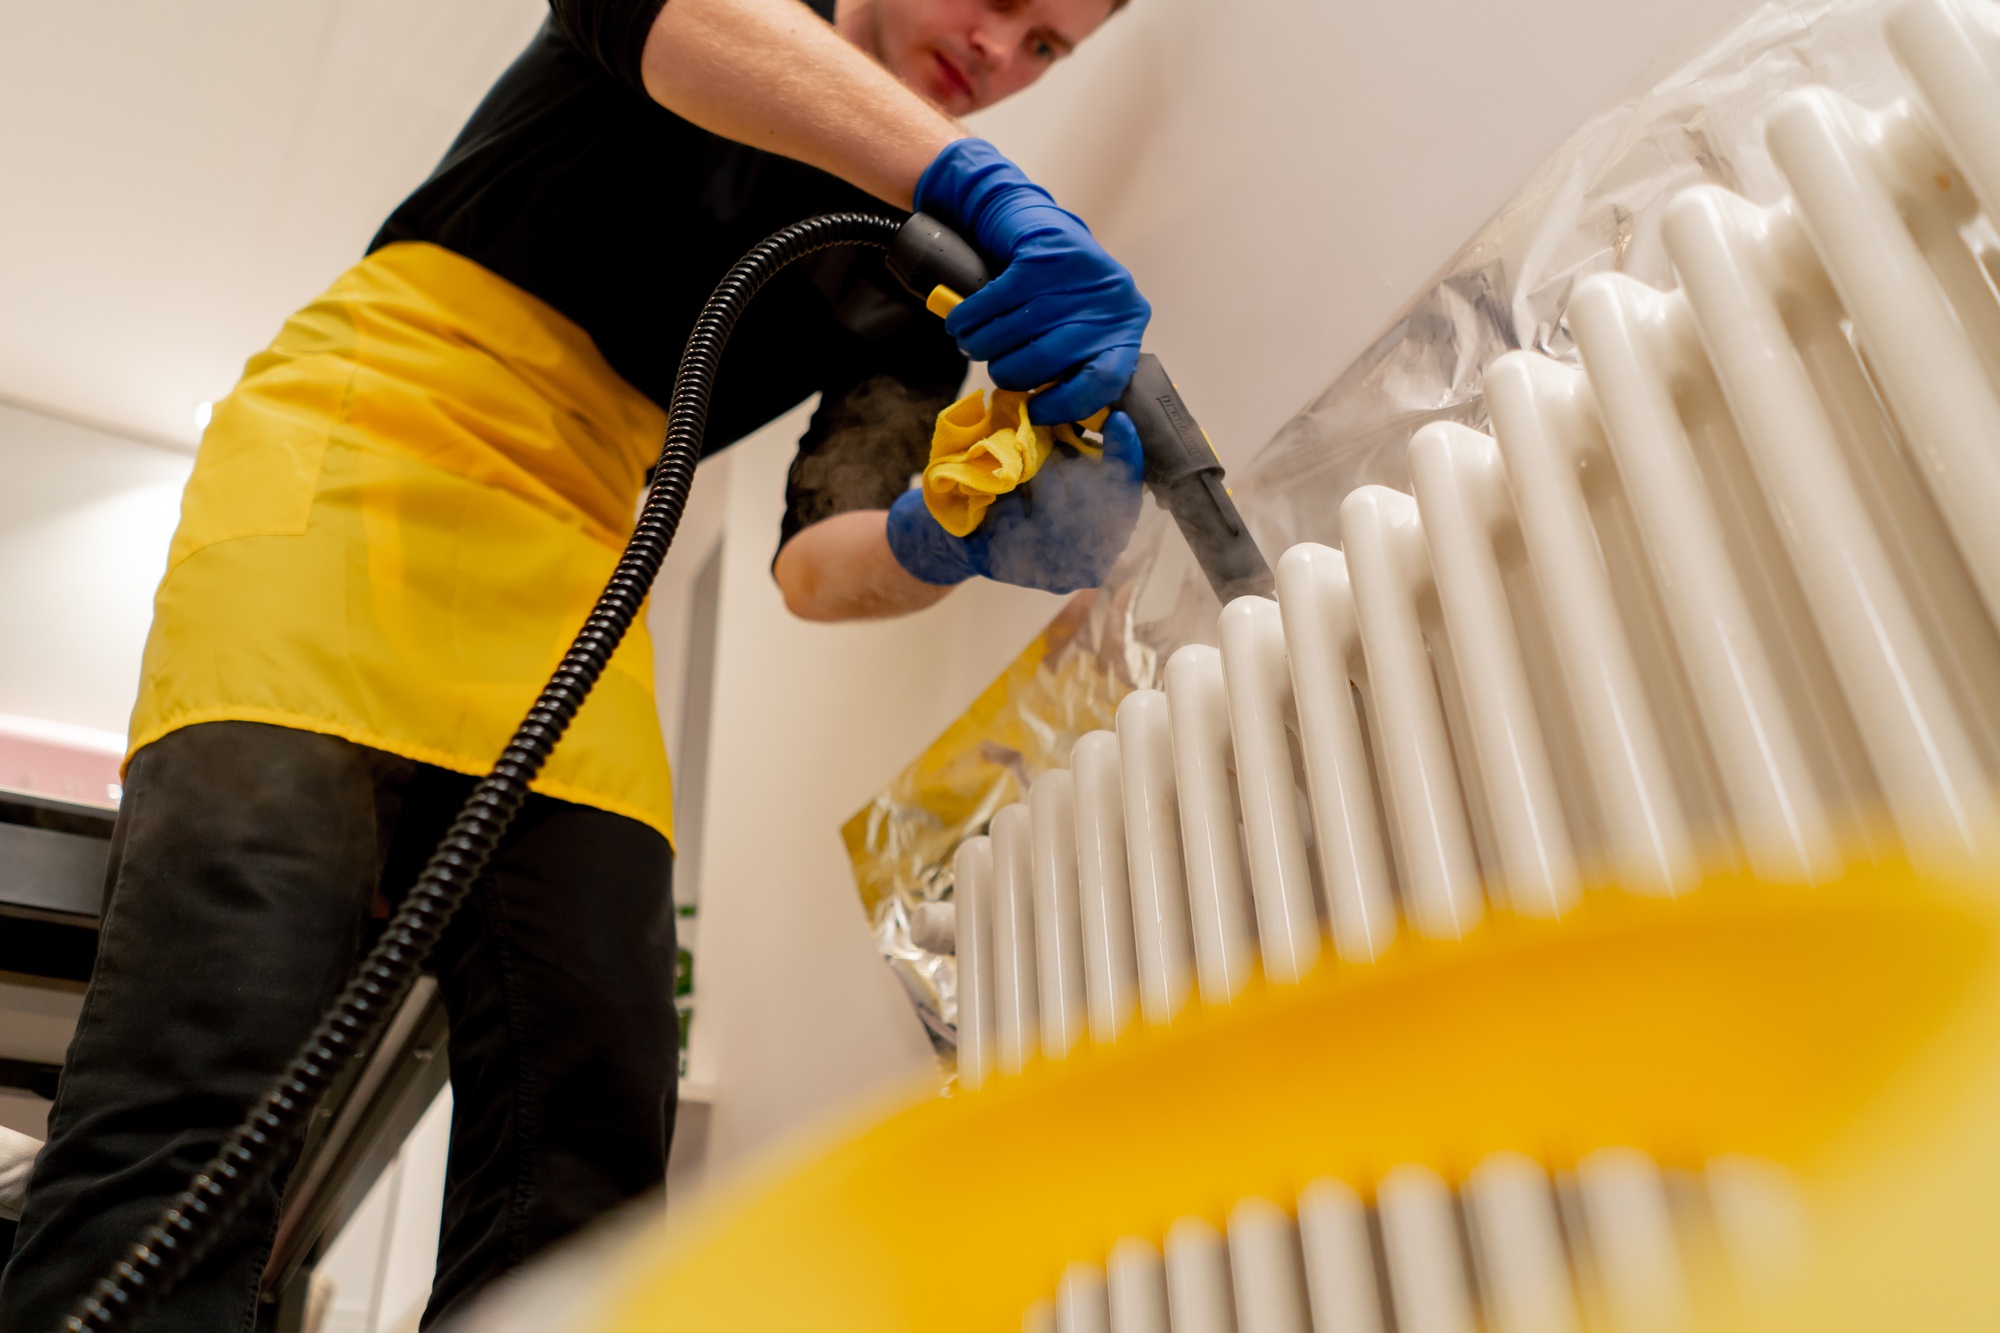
x=1725 y=598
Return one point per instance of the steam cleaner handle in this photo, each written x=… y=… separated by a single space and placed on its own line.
x=1181 y=468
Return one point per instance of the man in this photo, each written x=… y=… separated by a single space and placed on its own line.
x=404 y=510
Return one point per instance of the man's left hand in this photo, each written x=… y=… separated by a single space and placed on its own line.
x=1061 y=311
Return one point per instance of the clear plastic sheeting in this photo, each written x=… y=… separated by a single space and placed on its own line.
x=1594 y=207
x=1067 y=682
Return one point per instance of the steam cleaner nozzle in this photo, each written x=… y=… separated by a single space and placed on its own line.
x=1182 y=471
x=1186 y=478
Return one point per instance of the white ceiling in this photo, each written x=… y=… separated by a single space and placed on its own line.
x=178 y=176
x=1281 y=174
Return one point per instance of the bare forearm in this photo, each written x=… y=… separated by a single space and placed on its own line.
x=841 y=569
x=770 y=74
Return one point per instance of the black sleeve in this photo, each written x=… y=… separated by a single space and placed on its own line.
x=611 y=32
x=871 y=433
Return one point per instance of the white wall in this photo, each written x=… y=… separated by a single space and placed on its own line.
x=796 y=1013
x=85 y=518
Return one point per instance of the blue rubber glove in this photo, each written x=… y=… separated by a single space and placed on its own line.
x=1060 y=532
x=1061 y=311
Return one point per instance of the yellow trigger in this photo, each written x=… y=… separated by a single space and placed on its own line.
x=942 y=301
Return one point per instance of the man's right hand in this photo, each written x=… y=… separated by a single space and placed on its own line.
x=1061 y=311
x=1060 y=533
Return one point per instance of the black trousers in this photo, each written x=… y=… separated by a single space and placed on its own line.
x=245 y=874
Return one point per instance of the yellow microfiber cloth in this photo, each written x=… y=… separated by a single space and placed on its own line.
x=980 y=452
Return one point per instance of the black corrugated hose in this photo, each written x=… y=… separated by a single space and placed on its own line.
x=183 y=1233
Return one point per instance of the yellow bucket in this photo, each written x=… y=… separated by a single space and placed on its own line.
x=1849 y=1032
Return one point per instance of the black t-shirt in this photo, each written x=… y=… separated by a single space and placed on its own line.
x=570 y=182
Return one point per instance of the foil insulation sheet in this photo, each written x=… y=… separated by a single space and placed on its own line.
x=1595 y=207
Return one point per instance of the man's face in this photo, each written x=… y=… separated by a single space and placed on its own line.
x=968 y=54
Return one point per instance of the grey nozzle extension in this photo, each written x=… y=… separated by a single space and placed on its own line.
x=1185 y=476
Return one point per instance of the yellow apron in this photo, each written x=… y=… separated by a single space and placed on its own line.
x=397 y=521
